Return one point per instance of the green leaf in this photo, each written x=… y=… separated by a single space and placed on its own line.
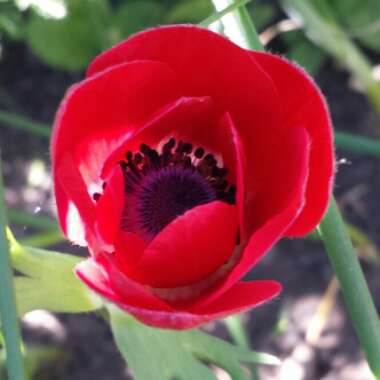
x=35 y=357
x=135 y=16
x=360 y=18
x=66 y=43
x=48 y=281
x=10 y=20
x=71 y=42
x=189 y=11
x=157 y=354
x=307 y=55
x=261 y=14
x=69 y=297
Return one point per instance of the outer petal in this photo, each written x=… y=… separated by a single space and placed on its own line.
x=102 y=276
x=71 y=192
x=304 y=106
x=109 y=105
x=186 y=117
x=99 y=111
x=266 y=236
x=239 y=298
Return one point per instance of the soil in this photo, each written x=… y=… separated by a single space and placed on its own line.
x=85 y=343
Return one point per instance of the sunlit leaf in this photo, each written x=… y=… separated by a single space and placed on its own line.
x=131 y=17
x=361 y=19
x=307 y=55
x=189 y=11
x=70 y=42
x=157 y=354
x=47 y=281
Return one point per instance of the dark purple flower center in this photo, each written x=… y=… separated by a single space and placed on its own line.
x=160 y=186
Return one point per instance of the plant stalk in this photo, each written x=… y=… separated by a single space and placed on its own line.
x=23 y=123
x=353 y=284
x=8 y=312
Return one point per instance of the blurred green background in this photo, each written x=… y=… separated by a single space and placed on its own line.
x=45 y=46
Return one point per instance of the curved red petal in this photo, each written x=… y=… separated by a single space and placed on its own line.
x=76 y=210
x=110 y=207
x=191 y=247
x=186 y=117
x=231 y=142
x=99 y=111
x=266 y=236
x=102 y=276
x=128 y=250
x=241 y=297
x=304 y=106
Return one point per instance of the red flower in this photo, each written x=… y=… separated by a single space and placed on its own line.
x=179 y=162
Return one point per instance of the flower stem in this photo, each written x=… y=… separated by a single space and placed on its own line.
x=345 y=263
x=9 y=322
x=23 y=123
x=236 y=329
x=219 y=14
x=354 y=287
x=238 y=25
x=356 y=143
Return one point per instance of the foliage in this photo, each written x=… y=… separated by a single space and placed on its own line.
x=150 y=354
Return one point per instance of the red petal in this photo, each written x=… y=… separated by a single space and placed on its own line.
x=304 y=106
x=150 y=311
x=102 y=276
x=128 y=250
x=181 y=117
x=209 y=64
x=243 y=296
x=76 y=210
x=240 y=297
x=110 y=207
x=266 y=236
x=231 y=142
x=99 y=111
x=190 y=248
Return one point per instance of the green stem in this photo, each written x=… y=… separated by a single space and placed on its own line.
x=218 y=15
x=238 y=25
x=236 y=329
x=25 y=124
x=44 y=239
x=354 y=287
x=23 y=218
x=349 y=273
x=356 y=143
x=8 y=312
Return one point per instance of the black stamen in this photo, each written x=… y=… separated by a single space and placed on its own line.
x=129 y=156
x=96 y=196
x=144 y=149
x=187 y=148
x=163 y=184
x=199 y=152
